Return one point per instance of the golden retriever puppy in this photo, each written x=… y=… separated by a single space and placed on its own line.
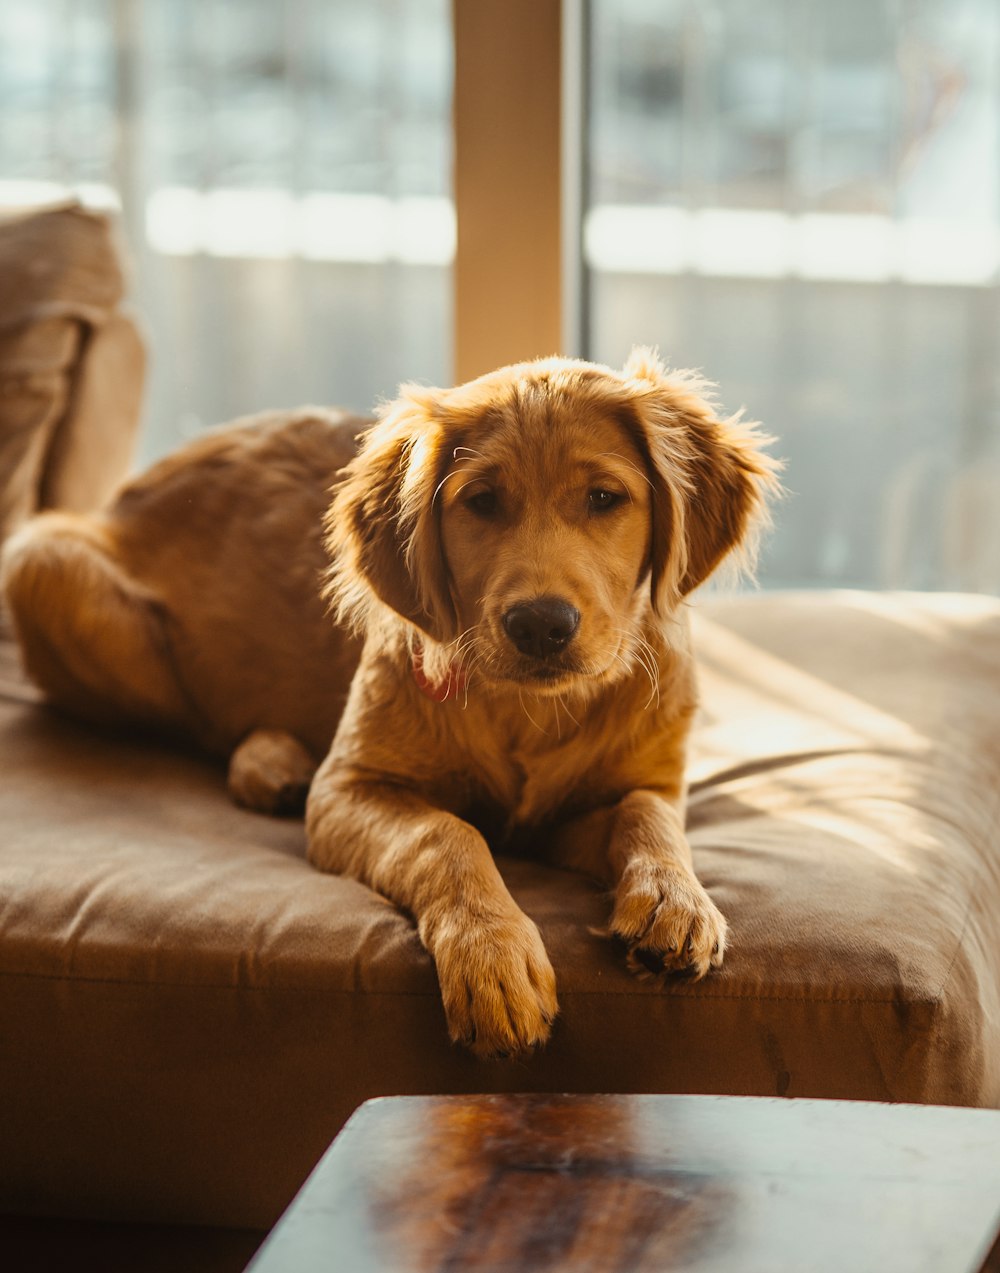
x=514 y=554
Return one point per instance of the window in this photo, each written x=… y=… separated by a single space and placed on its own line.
x=802 y=200
x=284 y=173
x=799 y=198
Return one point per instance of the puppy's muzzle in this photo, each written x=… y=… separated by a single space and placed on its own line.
x=543 y=627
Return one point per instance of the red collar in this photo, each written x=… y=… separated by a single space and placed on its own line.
x=452 y=685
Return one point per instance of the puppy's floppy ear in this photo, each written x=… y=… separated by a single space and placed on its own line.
x=711 y=478
x=383 y=528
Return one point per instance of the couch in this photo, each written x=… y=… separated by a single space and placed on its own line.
x=72 y=362
x=189 y=1012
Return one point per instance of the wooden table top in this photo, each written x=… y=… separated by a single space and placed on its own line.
x=633 y=1183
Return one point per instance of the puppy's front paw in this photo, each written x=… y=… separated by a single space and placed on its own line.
x=497 y=983
x=668 y=921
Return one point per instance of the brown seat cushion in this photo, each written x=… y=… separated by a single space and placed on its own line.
x=189 y=1012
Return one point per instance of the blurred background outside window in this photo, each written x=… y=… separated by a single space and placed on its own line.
x=284 y=175
x=800 y=198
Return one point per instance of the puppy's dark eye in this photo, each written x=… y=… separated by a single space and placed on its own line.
x=483 y=503
x=600 y=500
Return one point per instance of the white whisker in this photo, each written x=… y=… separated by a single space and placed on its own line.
x=647 y=657
x=524 y=709
x=635 y=649
x=437 y=489
x=565 y=707
x=617 y=455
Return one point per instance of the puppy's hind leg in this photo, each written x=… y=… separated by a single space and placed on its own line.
x=91 y=636
x=270 y=771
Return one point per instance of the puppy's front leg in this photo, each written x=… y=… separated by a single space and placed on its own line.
x=496 y=980
x=661 y=909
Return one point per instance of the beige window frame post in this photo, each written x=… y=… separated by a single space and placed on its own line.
x=514 y=248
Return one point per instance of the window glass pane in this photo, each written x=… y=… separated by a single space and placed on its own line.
x=803 y=200
x=283 y=172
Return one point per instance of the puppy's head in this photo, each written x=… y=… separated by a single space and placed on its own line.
x=526 y=522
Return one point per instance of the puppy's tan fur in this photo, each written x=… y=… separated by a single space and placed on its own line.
x=615 y=493
x=192 y=602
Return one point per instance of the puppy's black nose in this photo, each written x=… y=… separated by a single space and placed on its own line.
x=541 y=627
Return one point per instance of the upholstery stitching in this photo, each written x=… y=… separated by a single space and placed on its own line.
x=434 y=994
x=959 y=946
